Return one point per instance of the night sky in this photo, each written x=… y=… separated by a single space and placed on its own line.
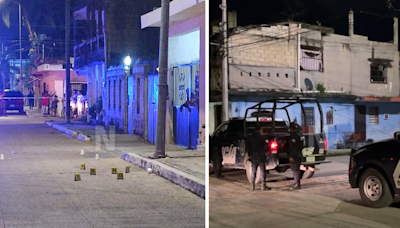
x=372 y=17
x=46 y=17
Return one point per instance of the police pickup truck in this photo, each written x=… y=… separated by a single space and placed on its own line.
x=229 y=138
x=375 y=170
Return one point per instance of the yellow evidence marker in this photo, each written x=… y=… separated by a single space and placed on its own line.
x=128 y=169
x=92 y=171
x=120 y=176
x=114 y=171
x=83 y=167
x=77 y=176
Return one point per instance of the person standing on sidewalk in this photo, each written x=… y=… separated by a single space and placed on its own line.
x=54 y=105
x=45 y=103
x=216 y=157
x=80 y=102
x=257 y=150
x=295 y=152
x=31 y=99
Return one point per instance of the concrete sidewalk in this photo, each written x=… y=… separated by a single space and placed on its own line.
x=185 y=168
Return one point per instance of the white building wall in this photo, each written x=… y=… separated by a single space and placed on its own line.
x=346 y=68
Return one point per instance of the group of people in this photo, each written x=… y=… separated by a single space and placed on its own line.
x=46 y=107
x=78 y=104
x=256 y=148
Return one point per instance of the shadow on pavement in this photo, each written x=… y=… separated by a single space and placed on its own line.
x=359 y=202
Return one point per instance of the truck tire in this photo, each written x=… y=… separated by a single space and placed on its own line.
x=307 y=173
x=248 y=172
x=374 y=190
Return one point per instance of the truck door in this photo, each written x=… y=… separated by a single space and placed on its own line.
x=230 y=143
x=217 y=139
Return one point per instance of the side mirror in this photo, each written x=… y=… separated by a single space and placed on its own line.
x=397 y=136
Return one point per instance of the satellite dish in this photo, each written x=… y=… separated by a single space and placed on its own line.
x=309 y=84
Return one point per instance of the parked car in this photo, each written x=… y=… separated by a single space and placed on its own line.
x=14 y=101
x=375 y=170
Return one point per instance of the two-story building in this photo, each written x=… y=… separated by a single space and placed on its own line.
x=355 y=79
x=186 y=77
x=105 y=34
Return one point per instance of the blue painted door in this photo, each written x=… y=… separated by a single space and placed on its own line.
x=186 y=119
x=152 y=108
x=130 y=104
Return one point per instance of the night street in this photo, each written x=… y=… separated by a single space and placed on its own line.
x=37 y=187
x=325 y=200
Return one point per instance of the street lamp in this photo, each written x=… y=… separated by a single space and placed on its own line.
x=127 y=62
x=20 y=34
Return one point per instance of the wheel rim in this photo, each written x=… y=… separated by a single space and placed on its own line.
x=373 y=188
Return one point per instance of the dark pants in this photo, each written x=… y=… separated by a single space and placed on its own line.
x=31 y=103
x=295 y=166
x=254 y=166
x=217 y=162
x=217 y=166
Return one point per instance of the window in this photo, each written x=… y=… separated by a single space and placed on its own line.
x=311 y=59
x=329 y=116
x=378 y=73
x=309 y=118
x=120 y=92
x=114 y=90
x=221 y=130
x=138 y=96
x=385 y=116
x=373 y=115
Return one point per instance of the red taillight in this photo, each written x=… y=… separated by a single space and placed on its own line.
x=273 y=146
x=326 y=143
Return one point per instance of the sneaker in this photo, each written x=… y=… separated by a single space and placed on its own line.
x=295 y=187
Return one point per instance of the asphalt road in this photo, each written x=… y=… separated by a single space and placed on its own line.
x=325 y=200
x=37 y=187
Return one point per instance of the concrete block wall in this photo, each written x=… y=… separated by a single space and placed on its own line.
x=273 y=46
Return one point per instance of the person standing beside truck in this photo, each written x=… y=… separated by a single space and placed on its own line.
x=295 y=153
x=257 y=149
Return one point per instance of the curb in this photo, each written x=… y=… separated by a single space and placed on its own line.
x=71 y=133
x=177 y=177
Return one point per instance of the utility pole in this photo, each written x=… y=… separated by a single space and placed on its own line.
x=225 y=96
x=20 y=46
x=67 y=64
x=162 y=81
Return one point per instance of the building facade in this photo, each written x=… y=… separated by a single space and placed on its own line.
x=351 y=75
x=186 y=78
x=112 y=32
x=51 y=78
